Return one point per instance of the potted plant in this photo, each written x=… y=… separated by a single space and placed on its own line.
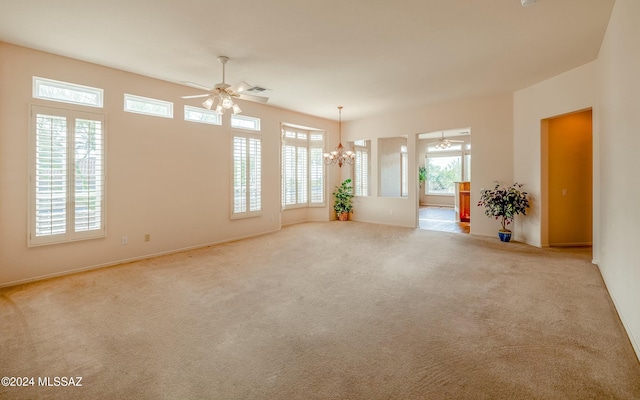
x=343 y=203
x=422 y=174
x=504 y=203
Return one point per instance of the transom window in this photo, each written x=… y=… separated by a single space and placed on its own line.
x=245 y=122
x=202 y=115
x=66 y=92
x=148 y=106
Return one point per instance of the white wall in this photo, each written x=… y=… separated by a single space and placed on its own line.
x=572 y=91
x=490 y=120
x=618 y=140
x=165 y=177
x=610 y=86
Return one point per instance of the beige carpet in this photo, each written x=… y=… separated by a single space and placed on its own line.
x=326 y=311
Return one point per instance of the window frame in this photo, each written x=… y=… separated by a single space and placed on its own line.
x=71 y=213
x=38 y=82
x=217 y=118
x=404 y=172
x=254 y=120
x=148 y=101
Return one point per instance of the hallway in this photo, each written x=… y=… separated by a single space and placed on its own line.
x=441 y=219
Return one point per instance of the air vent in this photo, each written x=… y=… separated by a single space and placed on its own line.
x=256 y=89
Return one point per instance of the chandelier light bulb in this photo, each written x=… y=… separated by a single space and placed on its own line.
x=227 y=103
x=208 y=103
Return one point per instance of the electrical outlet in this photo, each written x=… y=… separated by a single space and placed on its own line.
x=124 y=240
x=147 y=237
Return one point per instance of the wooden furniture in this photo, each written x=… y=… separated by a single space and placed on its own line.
x=463 y=201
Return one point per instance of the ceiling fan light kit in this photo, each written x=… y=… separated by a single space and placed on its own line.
x=339 y=156
x=445 y=143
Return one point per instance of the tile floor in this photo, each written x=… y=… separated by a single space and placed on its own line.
x=441 y=219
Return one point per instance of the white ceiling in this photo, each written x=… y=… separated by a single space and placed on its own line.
x=368 y=55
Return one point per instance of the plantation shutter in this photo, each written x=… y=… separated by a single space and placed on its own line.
x=51 y=175
x=67 y=176
x=288 y=175
x=316 y=168
x=302 y=168
x=361 y=172
x=247 y=175
x=88 y=173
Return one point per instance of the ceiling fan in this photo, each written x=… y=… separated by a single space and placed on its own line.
x=444 y=143
x=223 y=93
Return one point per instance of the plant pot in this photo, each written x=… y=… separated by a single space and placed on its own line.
x=343 y=216
x=504 y=236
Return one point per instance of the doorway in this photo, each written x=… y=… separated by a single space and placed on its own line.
x=567 y=180
x=444 y=160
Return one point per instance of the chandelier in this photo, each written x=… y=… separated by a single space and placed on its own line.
x=339 y=155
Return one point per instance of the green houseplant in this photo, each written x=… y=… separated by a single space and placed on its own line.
x=422 y=174
x=343 y=204
x=504 y=203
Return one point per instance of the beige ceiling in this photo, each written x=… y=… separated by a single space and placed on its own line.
x=368 y=55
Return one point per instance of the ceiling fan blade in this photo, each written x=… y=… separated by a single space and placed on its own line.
x=250 y=97
x=197 y=86
x=195 y=96
x=240 y=87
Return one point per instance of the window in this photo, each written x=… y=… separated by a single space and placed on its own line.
x=201 y=115
x=245 y=122
x=361 y=168
x=247 y=175
x=65 y=92
x=302 y=167
x=467 y=167
x=67 y=185
x=145 y=105
x=404 y=171
x=442 y=171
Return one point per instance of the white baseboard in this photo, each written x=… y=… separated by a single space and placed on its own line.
x=635 y=343
x=127 y=260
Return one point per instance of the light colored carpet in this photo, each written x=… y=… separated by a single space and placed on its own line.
x=338 y=310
